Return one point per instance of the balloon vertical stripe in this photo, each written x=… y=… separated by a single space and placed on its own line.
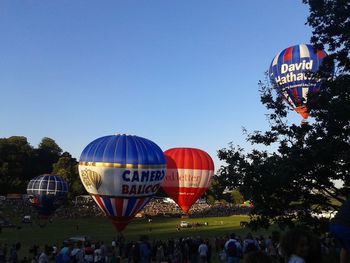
x=119 y=206
x=304 y=51
x=321 y=54
x=140 y=204
x=287 y=54
x=108 y=205
x=130 y=206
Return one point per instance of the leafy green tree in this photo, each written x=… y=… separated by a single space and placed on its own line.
x=237 y=197
x=47 y=153
x=67 y=168
x=294 y=178
x=216 y=190
x=210 y=200
x=16 y=164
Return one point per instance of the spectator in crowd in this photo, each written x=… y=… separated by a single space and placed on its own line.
x=250 y=244
x=97 y=253
x=203 y=252
x=54 y=250
x=273 y=246
x=340 y=228
x=233 y=249
x=64 y=254
x=88 y=253
x=44 y=256
x=296 y=245
x=103 y=248
x=145 y=250
x=13 y=254
x=77 y=254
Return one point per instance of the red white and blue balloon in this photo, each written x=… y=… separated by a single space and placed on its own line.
x=122 y=172
x=289 y=75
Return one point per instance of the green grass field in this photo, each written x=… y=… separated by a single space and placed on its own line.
x=100 y=229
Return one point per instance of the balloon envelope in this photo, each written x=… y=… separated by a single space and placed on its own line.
x=289 y=75
x=122 y=173
x=47 y=193
x=189 y=173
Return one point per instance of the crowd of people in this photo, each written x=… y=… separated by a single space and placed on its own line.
x=297 y=245
x=156 y=207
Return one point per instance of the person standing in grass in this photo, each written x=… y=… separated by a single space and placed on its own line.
x=203 y=252
x=145 y=250
x=44 y=258
x=295 y=245
x=233 y=250
x=340 y=228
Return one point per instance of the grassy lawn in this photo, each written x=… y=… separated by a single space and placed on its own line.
x=100 y=229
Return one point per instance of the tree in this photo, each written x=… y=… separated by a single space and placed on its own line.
x=67 y=168
x=16 y=167
x=294 y=177
x=216 y=190
x=47 y=154
x=237 y=197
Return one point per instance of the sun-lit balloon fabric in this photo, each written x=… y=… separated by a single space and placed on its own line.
x=47 y=193
x=288 y=75
x=189 y=173
x=122 y=172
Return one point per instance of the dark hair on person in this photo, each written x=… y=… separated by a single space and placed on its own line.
x=290 y=240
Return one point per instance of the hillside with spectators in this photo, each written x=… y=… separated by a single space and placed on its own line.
x=15 y=209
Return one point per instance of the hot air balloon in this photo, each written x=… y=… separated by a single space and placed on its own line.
x=122 y=172
x=47 y=193
x=290 y=74
x=189 y=173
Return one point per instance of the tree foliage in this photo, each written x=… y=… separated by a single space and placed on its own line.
x=67 y=168
x=20 y=162
x=296 y=179
x=47 y=153
x=16 y=163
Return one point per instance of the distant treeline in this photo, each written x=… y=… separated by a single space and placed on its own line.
x=20 y=162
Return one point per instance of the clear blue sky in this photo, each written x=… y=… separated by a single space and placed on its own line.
x=182 y=73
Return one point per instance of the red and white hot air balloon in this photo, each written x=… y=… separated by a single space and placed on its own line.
x=188 y=175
